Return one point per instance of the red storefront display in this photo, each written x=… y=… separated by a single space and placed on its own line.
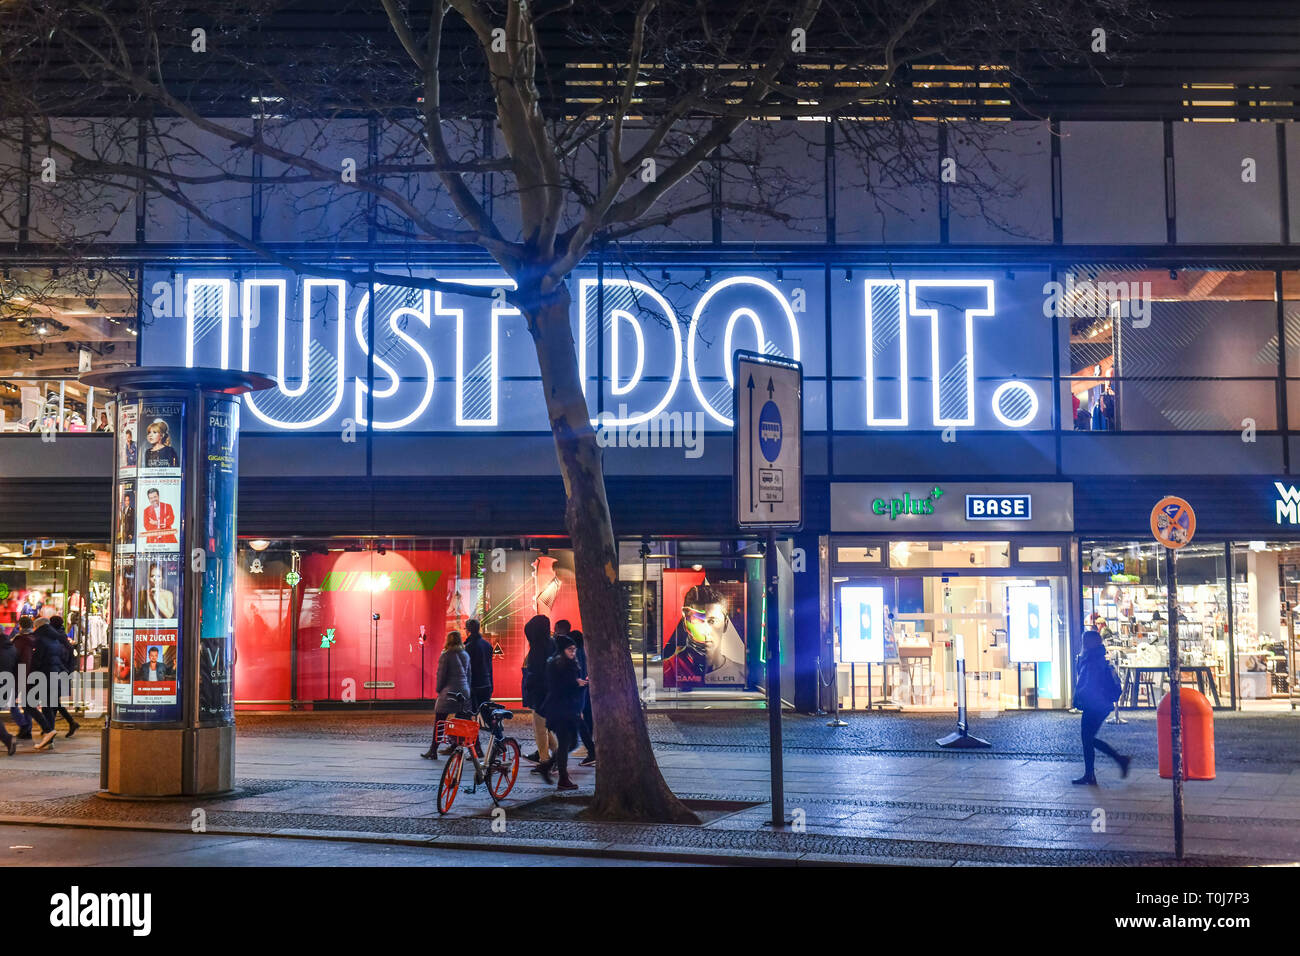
x=371 y=620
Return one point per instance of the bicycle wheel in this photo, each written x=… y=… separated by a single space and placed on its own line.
x=450 y=782
x=503 y=769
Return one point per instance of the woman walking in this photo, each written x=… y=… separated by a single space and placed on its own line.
x=540 y=649
x=565 y=689
x=452 y=688
x=1096 y=689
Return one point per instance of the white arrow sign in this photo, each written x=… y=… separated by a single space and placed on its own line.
x=768 y=441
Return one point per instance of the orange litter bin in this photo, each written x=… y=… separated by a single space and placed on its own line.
x=1198 y=736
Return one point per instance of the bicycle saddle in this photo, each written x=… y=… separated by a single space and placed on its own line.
x=500 y=714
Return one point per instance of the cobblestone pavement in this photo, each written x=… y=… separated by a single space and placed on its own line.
x=875 y=791
x=1264 y=743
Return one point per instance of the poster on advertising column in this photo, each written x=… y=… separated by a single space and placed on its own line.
x=128 y=427
x=704 y=630
x=154 y=663
x=216 y=614
x=148 y=542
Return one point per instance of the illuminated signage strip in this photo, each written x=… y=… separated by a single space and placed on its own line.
x=649 y=347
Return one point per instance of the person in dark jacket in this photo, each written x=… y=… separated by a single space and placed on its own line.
x=45 y=679
x=480 y=665
x=69 y=667
x=24 y=643
x=541 y=646
x=585 y=724
x=8 y=688
x=453 y=690
x=1095 y=694
x=565 y=688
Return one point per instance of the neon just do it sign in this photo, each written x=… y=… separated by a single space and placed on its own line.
x=660 y=352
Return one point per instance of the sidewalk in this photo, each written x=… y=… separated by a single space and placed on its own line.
x=361 y=776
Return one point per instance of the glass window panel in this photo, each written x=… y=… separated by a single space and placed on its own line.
x=1039 y=553
x=1134 y=334
x=1125 y=596
x=950 y=554
x=859 y=555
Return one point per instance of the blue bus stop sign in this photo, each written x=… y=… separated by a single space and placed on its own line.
x=769 y=431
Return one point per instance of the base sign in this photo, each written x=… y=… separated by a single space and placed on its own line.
x=768 y=440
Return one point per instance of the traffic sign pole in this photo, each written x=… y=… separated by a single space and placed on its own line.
x=773 y=625
x=768 y=445
x=1173 y=524
x=1175 y=704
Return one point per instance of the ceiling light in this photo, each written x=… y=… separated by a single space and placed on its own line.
x=259 y=544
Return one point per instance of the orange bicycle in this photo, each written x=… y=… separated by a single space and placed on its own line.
x=499 y=770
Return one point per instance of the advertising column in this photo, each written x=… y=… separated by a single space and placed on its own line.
x=171 y=723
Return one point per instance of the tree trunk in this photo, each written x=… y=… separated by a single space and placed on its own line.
x=629 y=785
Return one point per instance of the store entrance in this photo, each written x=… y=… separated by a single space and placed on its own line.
x=900 y=634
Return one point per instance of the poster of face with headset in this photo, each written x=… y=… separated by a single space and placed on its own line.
x=704 y=630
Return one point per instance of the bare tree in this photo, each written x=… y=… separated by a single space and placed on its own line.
x=662 y=85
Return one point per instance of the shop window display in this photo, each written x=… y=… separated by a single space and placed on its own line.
x=1266 y=618
x=352 y=620
x=45 y=578
x=899 y=636
x=53 y=325
x=1125 y=597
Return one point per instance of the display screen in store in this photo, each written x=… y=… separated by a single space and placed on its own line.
x=862 y=625
x=1029 y=625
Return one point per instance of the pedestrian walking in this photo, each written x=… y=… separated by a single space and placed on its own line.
x=452 y=688
x=480 y=665
x=44 y=682
x=585 y=724
x=1096 y=689
x=565 y=687
x=8 y=688
x=32 y=683
x=541 y=647
x=69 y=667
x=24 y=643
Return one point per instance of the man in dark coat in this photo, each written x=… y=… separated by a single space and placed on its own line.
x=25 y=644
x=562 y=708
x=8 y=687
x=45 y=678
x=585 y=724
x=69 y=667
x=1096 y=688
x=541 y=646
x=480 y=665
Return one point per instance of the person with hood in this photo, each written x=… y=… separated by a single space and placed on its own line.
x=541 y=646
x=8 y=688
x=480 y=665
x=585 y=724
x=25 y=644
x=453 y=689
x=46 y=676
x=562 y=708
x=69 y=667
x=1096 y=688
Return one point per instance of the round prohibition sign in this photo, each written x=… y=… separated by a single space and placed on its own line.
x=1173 y=522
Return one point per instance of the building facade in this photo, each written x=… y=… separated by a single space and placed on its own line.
x=996 y=394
